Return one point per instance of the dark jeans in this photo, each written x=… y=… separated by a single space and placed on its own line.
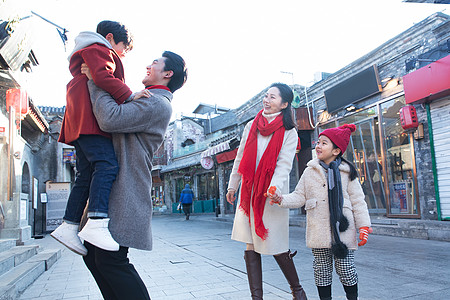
x=187 y=208
x=97 y=169
x=116 y=277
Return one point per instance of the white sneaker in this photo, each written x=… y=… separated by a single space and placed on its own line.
x=97 y=233
x=66 y=234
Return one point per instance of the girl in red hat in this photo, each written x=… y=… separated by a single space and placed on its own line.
x=335 y=207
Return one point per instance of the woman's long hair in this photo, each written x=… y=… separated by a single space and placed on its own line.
x=286 y=97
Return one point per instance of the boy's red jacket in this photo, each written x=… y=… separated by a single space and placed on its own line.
x=108 y=74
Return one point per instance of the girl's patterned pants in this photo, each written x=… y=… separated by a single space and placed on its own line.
x=323 y=267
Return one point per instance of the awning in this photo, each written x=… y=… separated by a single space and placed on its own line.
x=216 y=149
x=182 y=163
x=428 y=83
x=226 y=156
x=16 y=47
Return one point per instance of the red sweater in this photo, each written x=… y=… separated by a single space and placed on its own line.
x=108 y=74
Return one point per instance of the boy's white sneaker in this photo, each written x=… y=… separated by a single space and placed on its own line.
x=66 y=234
x=97 y=233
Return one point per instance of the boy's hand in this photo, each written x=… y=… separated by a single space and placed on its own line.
x=142 y=94
x=85 y=70
x=364 y=235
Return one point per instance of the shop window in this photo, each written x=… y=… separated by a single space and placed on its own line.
x=179 y=186
x=158 y=196
x=400 y=164
x=206 y=186
x=384 y=160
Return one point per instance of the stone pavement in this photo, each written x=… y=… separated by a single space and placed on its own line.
x=196 y=259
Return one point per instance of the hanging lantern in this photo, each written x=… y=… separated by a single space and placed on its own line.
x=18 y=99
x=408 y=117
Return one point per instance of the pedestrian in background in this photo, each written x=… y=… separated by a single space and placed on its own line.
x=334 y=201
x=186 y=197
x=265 y=159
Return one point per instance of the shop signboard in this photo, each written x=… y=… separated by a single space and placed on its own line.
x=207 y=162
x=57 y=195
x=399 y=203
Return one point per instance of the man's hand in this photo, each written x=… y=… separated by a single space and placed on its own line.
x=364 y=235
x=231 y=197
x=142 y=94
x=85 y=70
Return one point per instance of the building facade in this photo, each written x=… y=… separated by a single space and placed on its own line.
x=29 y=153
x=403 y=170
x=394 y=163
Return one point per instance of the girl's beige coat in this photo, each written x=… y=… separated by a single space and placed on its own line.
x=312 y=192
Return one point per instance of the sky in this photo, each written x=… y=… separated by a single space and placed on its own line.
x=233 y=49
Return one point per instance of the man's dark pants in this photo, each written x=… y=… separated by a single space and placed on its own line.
x=187 y=209
x=116 y=277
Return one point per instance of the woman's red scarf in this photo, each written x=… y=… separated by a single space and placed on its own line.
x=259 y=181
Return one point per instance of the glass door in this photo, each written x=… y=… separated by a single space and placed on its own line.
x=364 y=152
x=400 y=162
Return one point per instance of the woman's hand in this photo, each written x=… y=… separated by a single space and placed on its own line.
x=274 y=195
x=85 y=70
x=231 y=196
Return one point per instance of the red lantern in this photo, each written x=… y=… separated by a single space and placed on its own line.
x=408 y=117
x=18 y=99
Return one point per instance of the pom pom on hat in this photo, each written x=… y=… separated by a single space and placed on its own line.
x=340 y=136
x=352 y=127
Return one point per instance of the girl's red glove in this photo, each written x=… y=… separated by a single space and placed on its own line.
x=364 y=235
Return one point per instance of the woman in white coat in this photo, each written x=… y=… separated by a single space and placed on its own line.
x=265 y=159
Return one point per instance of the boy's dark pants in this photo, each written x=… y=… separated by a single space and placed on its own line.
x=116 y=277
x=97 y=169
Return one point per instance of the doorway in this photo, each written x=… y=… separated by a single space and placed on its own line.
x=365 y=153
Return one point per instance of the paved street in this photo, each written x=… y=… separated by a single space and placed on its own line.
x=196 y=259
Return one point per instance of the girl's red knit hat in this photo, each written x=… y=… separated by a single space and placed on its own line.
x=340 y=136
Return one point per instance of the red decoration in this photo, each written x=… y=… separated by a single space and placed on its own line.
x=408 y=117
x=18 y=99
x=428 y=83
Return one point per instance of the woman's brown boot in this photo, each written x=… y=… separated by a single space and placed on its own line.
x=254 y=273
x=287 y=266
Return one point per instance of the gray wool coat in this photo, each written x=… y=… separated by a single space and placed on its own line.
x=138 y=128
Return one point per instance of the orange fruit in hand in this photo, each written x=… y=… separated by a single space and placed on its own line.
x=272 y=191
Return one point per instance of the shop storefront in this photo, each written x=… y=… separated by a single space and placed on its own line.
x=383 y=154
x=439 y=113
x=430 y=86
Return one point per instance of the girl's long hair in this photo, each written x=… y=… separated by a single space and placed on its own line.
x=353 y=172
